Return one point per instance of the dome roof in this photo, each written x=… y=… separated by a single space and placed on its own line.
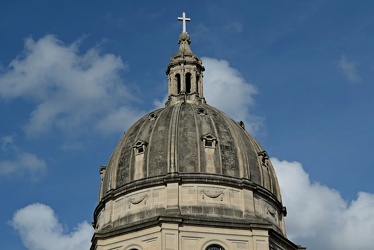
x=193 y=139
x=188 y=163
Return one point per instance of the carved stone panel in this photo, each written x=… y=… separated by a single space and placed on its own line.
x=213 y=194
x=137 y=199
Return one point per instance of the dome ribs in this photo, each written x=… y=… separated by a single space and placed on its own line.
x=172 y=139
x=153 y=118
x=158 y=155
x=187 y=143
x=228 y=146
x=211 y=128
x=126 y=156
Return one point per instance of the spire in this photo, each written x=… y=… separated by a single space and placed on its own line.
x=185 y=72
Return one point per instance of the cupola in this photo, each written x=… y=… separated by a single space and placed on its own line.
x=185 y=72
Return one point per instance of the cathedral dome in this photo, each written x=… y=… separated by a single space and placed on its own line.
x=208 y=156
x=189 y=173
x=189 y=139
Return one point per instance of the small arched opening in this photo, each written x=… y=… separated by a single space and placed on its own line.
x=178 y=80
x=188 y=82
x=197 y=83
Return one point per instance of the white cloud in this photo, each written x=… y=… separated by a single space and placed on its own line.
x=119 y=119
x=21 y=162
x=39 y=229
x=160 y=104
x=66 y=87
x=318 y=217
x=226 y=89
x=349 y=69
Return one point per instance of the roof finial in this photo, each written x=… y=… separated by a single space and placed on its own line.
x=184 y=19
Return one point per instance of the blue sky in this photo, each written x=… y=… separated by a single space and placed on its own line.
x=74 y=75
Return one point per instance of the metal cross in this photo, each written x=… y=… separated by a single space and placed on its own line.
x=184 y=19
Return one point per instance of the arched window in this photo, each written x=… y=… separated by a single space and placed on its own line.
x=188 y=82
x=178 y=78
x=197 y=83
x=215 y=247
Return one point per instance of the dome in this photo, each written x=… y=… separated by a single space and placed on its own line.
x=189 y=140
x=203 y=151
x=188 y=167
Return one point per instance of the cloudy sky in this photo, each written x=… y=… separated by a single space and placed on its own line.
x=74 y=75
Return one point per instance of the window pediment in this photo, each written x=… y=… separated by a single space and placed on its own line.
x=210 y=141
x=139 y=147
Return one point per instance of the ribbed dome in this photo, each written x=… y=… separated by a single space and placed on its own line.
x=188 y=163
x=187 y=176
x=188 y=138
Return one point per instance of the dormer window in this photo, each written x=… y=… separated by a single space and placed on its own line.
x=209 y=140
x=139 y=147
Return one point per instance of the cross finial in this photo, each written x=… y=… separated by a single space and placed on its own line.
x=184 y=19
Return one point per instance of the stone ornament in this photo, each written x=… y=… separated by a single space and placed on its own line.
x=214 y=195
x=138 y=200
